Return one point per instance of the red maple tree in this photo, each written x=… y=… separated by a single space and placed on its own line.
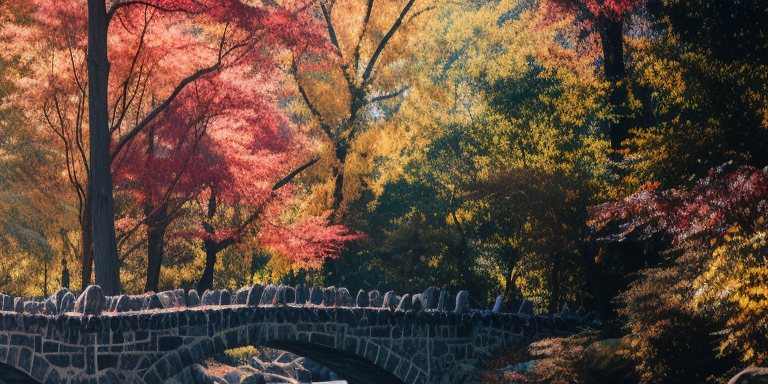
x=141 y=56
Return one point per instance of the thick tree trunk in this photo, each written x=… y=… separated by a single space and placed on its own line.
x=612 y=43
x=211 y=251
x=105 y=257
x=157 y=225
x=86 y=248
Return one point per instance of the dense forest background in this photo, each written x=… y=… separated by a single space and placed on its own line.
x=607 y=155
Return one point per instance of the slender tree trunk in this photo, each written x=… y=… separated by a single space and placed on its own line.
x=45 y=279
x=212 y=249
x=612 y=44
x=595 y=281
x=107 y=263
x=86 y=246
x=157 y=226
x=509 y=278
x=554 y=302
x=338 y=188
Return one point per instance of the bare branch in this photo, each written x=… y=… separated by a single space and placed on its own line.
x=325 y=127
x=287 y=179
x=331 y=31
x=151 y=116
x=123 y=4
x=385 y=40
x=356 y=54
x=585 y=11
x=421 y=11
x=260 y=209
x=388 y=96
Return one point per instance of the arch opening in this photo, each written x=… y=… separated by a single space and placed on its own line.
x=11 y=375
x=350 y=367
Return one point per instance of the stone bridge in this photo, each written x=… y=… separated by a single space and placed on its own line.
x=425 y=338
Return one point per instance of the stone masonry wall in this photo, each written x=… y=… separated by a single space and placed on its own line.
x=148 y=339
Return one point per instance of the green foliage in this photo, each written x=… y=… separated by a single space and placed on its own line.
x=700 y=84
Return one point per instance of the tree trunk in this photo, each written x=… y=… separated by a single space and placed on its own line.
x=338 y=188
x=554 y=302
x=596 y=282
x=45 y=279
x=86 y=246
x=612 y=44
x=509 y=277
x=212 y=249
x=156 y=227
x=107 y=263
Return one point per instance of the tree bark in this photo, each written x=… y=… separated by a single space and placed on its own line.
x=86 y=246
x=156 y=227
x=106 y=261
x=595 y=281
x=338 y=187
x=212 y=249
x=554 y=302
x=511 y=256
x=612 y=44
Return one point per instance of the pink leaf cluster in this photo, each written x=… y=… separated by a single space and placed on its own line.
x=222 y=130
x=728 y=196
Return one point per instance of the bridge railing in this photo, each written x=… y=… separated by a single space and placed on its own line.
x=93 y=302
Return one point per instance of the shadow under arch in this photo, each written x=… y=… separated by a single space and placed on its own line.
x=350 y=367
x=11 y=375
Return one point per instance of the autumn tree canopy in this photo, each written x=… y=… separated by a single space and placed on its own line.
x=607 y=156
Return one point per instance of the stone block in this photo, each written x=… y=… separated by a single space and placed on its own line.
x=18 y=304
x=329 y=296
x=122 y=304
x=8 y=303
x=405 y=303
x=180 y=299
x=154 y=302
x=301 y=297
x=362 y=299
x=497 y=305
x=316 y=296
x=50 y=306
x=280 y=295
x=59 y=296
x=268 y=296
x=31 y=307
x=345 y=297
x=194 y=299
x=374 y=299
x=241 y=296
x=390 y=301
x=91 y=301
x=430 y=298
x=254 y=295
x=225 y=297
x=290 y=295
x=211 y=297
x=416 y=302
x=462 y=302
x=442 y=304
x=167 y=299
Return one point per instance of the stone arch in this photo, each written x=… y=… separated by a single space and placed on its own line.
x=350 y=367
x=12 y=375
x=343 y=340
